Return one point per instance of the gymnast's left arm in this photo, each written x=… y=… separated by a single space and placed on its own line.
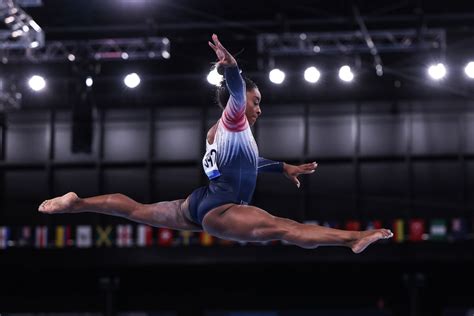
x=290 y=171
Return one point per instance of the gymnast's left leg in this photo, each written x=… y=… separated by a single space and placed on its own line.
x=250 y=223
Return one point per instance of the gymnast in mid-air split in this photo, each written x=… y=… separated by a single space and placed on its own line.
x=232 y=163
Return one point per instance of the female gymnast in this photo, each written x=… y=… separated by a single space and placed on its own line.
x=232 y=163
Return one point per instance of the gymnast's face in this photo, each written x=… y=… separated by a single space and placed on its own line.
x=252 y=109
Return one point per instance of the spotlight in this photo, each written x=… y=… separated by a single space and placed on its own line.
x=89 y=81
x=132 y=80
x=276 y=76
x=71 y=57
x=469 y=69
x=312 y=74
x=214 y=77
x=437 y=72
x=37 y=83
x=345 y=74
x=165 y=54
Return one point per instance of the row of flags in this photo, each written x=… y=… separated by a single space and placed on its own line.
x=134 y=235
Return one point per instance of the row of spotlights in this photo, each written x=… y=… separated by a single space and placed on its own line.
x=277 y=76
x=38 y=83
x=312 y=74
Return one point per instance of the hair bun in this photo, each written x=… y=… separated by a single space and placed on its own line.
x=220 y=69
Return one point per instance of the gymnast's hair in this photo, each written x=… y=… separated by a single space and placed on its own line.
x=222 y=92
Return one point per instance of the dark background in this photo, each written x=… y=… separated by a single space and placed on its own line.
x=393 y=147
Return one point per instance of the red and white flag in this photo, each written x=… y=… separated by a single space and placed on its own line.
x=144 y=236
x=41 y=237
x=124 y=236
x=165 y=237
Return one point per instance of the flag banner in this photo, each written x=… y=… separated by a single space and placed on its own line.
x=416 y=229
x=124 y=236
x=438 y=229
x=353 y=225
x=41 y=237
x=458 y=229
x=25 y=237
x=374 y=224
x=205 y=239
x=398 y=230
x=144 y=236
x=104 y=236
x=83 y=236
x=187 y=238
x=165 y=237
x=60 y=240
x=4 y=237
x=63 y=236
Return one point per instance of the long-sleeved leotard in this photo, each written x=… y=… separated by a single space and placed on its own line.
x=231 y=161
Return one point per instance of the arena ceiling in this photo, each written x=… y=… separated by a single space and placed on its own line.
x=241 y=24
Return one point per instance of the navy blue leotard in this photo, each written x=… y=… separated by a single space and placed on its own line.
x=231 y=162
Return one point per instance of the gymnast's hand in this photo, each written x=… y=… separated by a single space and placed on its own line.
x=292 y=172
x=225 y=58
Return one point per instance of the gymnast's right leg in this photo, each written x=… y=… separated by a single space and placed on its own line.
x=169 y=214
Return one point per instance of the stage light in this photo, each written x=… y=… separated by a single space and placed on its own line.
x=132 y=80
x=37 y=83
x=89 y=82
x=437 y=71
x=165 y=54
x=71 y=57
x=345 y=74
x=312 y=74
x=214 y=77
x=124 y=56
x=276 y=76
x=469 y=69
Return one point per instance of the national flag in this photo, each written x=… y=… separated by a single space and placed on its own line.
x=165 y=237
x=374 y=224
x=353 y=225
x=103 y=236
x=4 y=236
x=25 y=237
x=186 y=237
x=41 y=237
x=84 y=236
x=124 y=236
x=63 y=236
x=416 y=229
x=458 y=229
x=144 y=236
x=205 y=239
x=438 y=229
x=398 y=230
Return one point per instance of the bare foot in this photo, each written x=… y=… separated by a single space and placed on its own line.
x=62 y=204
x=368 y=237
